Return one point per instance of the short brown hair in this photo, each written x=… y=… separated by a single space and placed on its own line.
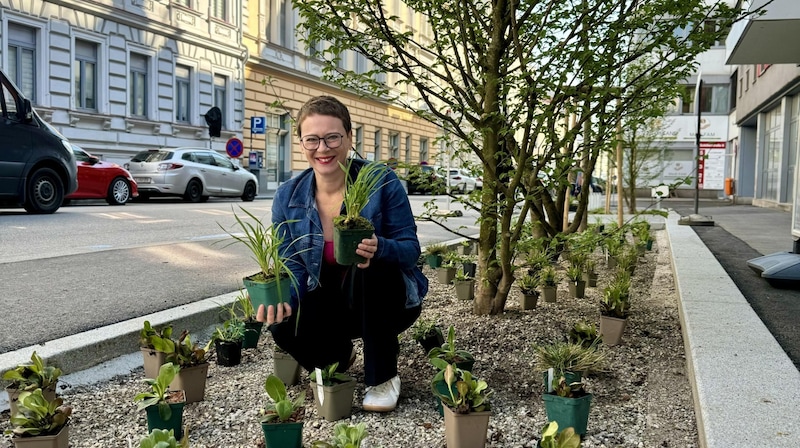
x=325 y=105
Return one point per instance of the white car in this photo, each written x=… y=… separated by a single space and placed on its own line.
x=461 y=181
x=193 y=173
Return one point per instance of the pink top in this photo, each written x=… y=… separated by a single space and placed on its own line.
x=327 y=253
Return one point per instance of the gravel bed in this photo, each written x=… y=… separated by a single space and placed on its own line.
x=644 y=400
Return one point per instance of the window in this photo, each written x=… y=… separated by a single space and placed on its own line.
x=394 y=146
x=22 y=58
x=713 y=99
x=186 y=3
x=423 y=149
x=220 y=89
x=773 y=144
x=222 y=161
x=408 y=150
x=219 y=10
x=182 y=92
x=9 y=105
x=358 y=144
x=138 y=85
x=279 y=27
x=378 y=155
x=361 y=63
x=733 y=90
x=85 y=75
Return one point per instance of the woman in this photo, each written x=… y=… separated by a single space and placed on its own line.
x=333 y=304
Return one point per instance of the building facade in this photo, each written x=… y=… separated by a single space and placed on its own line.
x=118 y=77
x=281 y=74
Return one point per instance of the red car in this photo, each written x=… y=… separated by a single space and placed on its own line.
x=102 y=180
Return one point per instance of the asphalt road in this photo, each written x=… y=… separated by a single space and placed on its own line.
x=92 y=265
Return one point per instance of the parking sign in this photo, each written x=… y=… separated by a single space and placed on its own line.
x=258 y=125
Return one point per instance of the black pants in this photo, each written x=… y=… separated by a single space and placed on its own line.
x=350 y=303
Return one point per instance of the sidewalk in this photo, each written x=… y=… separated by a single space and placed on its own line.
x=746 y=387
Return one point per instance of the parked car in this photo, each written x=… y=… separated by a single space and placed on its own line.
x=461 y=181
x=193 y=173
x=101 y=180
x=37 y=166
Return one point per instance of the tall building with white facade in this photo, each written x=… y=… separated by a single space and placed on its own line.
x=118 y=77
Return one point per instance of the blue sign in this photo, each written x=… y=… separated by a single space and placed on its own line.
x=234 y=148
x=258 y=125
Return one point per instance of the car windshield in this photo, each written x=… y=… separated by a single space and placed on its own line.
x=152 y=156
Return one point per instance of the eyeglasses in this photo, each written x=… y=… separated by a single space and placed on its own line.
x=311 y=142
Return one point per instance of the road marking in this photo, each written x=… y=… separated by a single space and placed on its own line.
x=155 y=221
x=214 y=212
x=120 y=215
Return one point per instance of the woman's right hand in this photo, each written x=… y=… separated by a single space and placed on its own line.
x=274 y=314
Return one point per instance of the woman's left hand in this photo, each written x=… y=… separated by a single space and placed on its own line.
x=367 y=249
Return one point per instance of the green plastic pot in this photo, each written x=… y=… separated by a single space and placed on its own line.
x=568 y=412
x=270 y=293
x=345 y=243
x=252 y=333
x=283 y=435
x=175 y=422
x=434 y=261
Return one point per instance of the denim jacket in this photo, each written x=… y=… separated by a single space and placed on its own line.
x=388 y=210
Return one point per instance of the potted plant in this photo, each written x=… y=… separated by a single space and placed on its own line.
x=466 y=406
x=464 y=285
x=164 y=406
x=39 y=422
x=434 y=254
x=577 y=286
x=270 y=285
x=568 y=405
x=29 y=377
x=193 y=362
x=530 y=295
x=162 y=438
x=469 y=265
x=153 y=358
x=333 y=392
x=282 y=418
x=590 y=273
x=584 y=334
x=568 y=360
x=350 y=228
x=463 y=359
x=552 y=438
x=286 y=368
x=227 y=339
x=446 y=272
x=615 y=308
x=242 y=309
x=428 y=333
x=549 y=279
x=344 y=436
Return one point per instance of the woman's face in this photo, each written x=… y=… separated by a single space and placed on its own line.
x=324 y=130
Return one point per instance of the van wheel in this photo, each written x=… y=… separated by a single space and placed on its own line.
x=194 y=191
x=249 y=192
x=119 y=192
x=45 y=192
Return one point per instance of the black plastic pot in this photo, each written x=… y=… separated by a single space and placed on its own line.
x=228 y=353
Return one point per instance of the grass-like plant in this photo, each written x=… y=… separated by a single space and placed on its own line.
x=231 y=330
x=616 y=296
x=566 y=357
x=265 y=243
x=528 y=284
x=358 y=192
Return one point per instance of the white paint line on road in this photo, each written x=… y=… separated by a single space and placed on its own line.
x=214 y=212
x=155 y=221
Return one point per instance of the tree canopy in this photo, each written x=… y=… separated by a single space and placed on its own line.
x=535 y=89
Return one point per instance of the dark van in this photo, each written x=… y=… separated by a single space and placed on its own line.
x=37 y=166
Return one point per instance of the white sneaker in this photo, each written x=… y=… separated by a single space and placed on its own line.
x=383 y=397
